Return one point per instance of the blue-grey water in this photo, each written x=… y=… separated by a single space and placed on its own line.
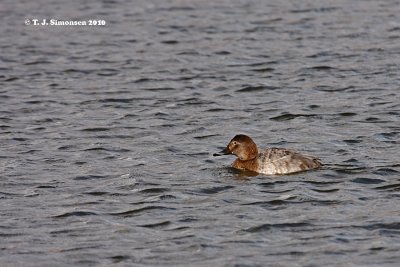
x=107 y=133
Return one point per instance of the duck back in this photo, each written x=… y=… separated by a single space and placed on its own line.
x=284 y=161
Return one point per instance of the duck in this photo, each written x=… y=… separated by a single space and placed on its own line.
x=270 y=161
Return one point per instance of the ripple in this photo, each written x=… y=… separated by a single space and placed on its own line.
x=215 y=189
x=118 y=150
x=348 y=114
x=159 y=89
x=207 y=136
x=121 y=258
x=136 y=212
x=322 y=67
x=96 y=129
x=333 y=190
x=263 y=69
x=289 y=116
x=78 y=71
x=269 y=227
x=157 y=225
x=97 y=193
x=117 y=100
x=76 y=213
x=333 y=89
x=350 y=170
x=154 y=190
x=385 y=171
x=390 y=187
x=275 y=202
x=11 y=79
x=256 y=88
x=352 y=141
x=367 y=181
x=90 y=177
x=389 y=226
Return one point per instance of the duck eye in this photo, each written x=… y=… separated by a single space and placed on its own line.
x=234 y=143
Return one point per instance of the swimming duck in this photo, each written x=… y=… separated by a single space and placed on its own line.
x=269 y=161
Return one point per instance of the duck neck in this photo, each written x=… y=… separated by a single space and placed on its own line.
x=250 y=154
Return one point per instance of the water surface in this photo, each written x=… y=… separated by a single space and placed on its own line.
x=107 y=133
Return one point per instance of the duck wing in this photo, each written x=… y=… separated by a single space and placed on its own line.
x=283 y=161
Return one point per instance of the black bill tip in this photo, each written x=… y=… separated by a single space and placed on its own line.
x=225 y=151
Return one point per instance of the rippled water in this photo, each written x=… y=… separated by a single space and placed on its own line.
x=107 y=133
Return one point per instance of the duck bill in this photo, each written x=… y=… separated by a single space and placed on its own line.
x=225 y=151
